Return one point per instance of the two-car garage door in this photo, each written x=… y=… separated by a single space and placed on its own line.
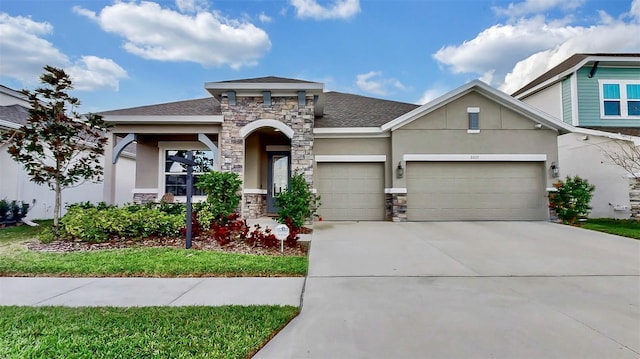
x=476 y=191
x=436 y=191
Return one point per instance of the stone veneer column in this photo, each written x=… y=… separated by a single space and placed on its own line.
x=249 y=109
x=634 y=198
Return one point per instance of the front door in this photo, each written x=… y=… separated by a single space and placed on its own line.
x=278 y=174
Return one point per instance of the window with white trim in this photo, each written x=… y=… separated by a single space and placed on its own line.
x=175 y=173
x=619 y=99
x=474 y=119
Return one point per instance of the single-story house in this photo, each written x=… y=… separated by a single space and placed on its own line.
x=474 y=153
x=15 y=183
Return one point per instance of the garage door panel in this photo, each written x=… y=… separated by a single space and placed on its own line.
x=351 y=191
x=476 y=191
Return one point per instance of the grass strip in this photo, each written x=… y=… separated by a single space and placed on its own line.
x=143 y=332
x=150 y=262
x=23 y=232
x=621 y=227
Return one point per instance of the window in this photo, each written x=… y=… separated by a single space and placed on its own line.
x=175 y=173
x=619 y=99
x=474 y=119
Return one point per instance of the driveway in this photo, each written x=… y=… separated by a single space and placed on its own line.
x=466 y=290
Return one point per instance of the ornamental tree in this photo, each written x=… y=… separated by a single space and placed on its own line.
x=572 y=198
x=57 y=146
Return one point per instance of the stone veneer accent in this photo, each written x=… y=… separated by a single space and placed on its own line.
x=634 y=198
x=249 y=109
x=396 y=207
x=254 y=205
x=143 y=198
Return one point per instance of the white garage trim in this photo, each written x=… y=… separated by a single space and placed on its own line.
x=351 y=158
x=475 y=157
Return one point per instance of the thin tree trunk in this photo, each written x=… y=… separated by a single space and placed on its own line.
x=56 y=208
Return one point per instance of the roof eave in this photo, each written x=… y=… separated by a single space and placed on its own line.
x=163 y=120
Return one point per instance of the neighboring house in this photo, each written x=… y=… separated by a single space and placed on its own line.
x=15 y=183
x=600 y=94
x=474 y=153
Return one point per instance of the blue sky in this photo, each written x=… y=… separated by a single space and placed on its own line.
x=129 y=53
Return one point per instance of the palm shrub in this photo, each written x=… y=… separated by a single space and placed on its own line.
x=298 y=203
x=572 y=198
x=223 y=197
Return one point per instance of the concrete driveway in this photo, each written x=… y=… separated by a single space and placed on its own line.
x=466 y=290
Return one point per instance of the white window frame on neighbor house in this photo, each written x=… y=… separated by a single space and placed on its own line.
x=623 y=100
x=165 y=146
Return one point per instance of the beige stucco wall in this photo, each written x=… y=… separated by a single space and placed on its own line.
x=586 y=157
x=548 y=100
x=252 y=167
x=147 y=164
x=444 y=131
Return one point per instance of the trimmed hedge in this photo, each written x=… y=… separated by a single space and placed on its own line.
x=100 y=225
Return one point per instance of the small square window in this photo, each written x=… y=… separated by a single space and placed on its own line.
x=633 y=108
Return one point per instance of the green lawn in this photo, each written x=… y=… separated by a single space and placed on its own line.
x=149 y=262
x=24 y=232
x=621 y=227
x=147 y=332
x=16 y=260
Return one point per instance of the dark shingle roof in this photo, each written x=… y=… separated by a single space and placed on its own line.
x=268 y=80
x=14 y=113
x=347 y=110
x=201 y=107
x=566 y=65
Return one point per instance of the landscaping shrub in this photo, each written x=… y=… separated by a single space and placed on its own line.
x=99 y=225
x=571 y=201
x=297 y=203
x=223 y=197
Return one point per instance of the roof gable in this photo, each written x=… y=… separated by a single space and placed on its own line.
x=489 y=92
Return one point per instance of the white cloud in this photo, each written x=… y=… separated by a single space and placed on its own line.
x=595 y=39
x=339 y=9
x=91 y=72
x=536 y=7
x=25 y=52
x=373 y=82
x=192 y=6
x=264 y=18
x=510 y=55
x=207 y=38
x=431 y=94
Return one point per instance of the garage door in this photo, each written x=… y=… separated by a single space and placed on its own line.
x=476 y=191
x=351 y=191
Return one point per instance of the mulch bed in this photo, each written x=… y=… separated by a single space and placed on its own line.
x=198 y=243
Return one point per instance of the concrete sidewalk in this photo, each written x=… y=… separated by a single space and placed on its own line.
x=134 y=292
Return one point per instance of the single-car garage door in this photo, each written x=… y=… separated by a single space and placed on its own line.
x=351 y=191
x=476 y=191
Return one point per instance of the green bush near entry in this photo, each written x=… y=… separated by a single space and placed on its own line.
x=99 y=225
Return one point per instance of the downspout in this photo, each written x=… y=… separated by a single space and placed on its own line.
x=594 y=69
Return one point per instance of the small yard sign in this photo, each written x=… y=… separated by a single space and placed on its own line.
x=281 y=232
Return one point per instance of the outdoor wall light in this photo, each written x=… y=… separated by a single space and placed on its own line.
x=555 y=170
x=399 y=170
